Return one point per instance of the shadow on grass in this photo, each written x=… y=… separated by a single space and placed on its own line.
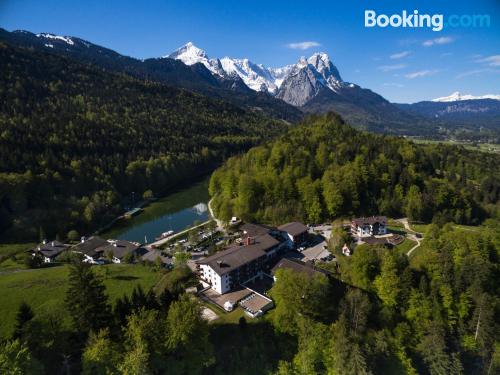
x=249 y=349
x=125 y=278
x=401 y=232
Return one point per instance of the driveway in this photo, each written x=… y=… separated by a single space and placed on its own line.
x=411 y=234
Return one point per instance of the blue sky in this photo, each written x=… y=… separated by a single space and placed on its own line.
x=404 y=65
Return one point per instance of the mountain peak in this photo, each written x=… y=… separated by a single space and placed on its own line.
x=321 y=56
x=189 y=54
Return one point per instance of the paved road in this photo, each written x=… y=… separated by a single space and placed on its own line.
x=164 y=240
x=220 y=224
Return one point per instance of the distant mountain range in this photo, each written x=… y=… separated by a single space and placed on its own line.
x=472 y=112
x=312 y=85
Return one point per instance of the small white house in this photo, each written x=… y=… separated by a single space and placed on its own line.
x=346 y=251
x=49 y=250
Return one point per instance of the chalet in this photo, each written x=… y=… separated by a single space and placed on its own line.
x=88 y=248
x=369 y=226
x=118 y=249
x=240 y=263
x=49 y=250
x=95 y=250
x=295 y=232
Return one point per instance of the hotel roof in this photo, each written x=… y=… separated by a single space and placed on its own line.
x=294 y=228
x=236 y=256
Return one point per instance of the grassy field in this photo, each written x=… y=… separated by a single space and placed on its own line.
x=483 y=147
x=44 y=290
x=406 y=245
x=9 y=250
x=420 y=228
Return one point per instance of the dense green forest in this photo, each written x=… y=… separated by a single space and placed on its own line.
x=325 y=169
x=75 y=140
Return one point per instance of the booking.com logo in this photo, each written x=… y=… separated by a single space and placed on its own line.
x=436 y=22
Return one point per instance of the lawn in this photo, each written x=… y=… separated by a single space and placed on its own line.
x=7 y=250
x=406 y=245
x=484 y=147
x=420 y=228
x=44 y=289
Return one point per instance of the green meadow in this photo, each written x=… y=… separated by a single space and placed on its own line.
x=44 y=290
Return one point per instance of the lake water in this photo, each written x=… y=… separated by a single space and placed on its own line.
x=176 y=211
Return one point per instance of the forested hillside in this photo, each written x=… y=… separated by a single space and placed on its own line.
x=76 y=139
x=433 y=315
x=325 y=169
x=168 y=71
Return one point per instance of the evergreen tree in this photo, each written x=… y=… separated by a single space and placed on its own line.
x=86 y=299
x=24 y=315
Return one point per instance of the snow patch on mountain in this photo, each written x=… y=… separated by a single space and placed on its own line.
x=256 y=76
x=456 y=96
x=65 y=39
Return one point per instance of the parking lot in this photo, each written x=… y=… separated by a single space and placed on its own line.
x=316 y=248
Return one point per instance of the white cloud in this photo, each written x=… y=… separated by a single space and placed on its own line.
x=491 y=60
x=440 y=40
x=389 y=68
x=477 y=72
x=303 y=45
x=420 y=73
x=399 y=55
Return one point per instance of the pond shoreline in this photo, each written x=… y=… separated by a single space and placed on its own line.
x=179 y=209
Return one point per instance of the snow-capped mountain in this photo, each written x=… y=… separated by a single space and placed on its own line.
x=189 y=54
x=313 y=84
x=456 y=96
x=307 y=76
x=255 y=76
